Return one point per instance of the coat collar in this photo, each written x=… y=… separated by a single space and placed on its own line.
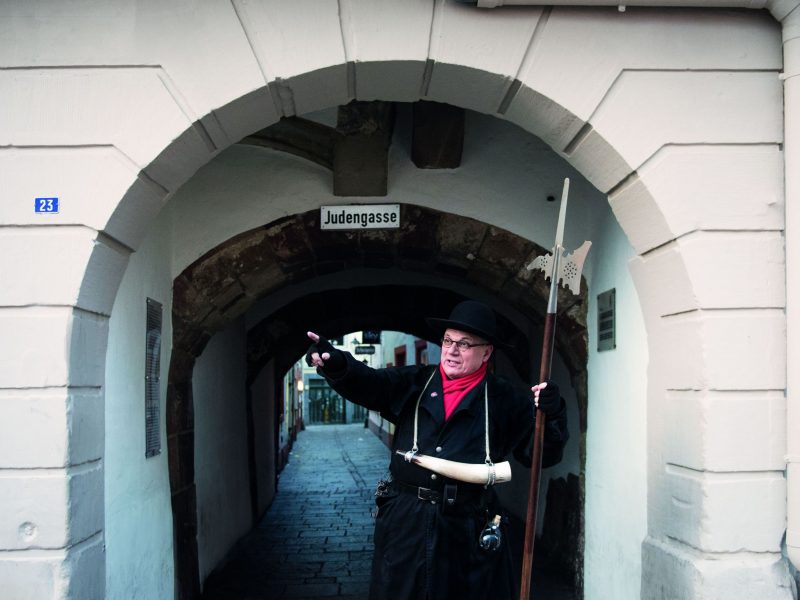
x=433 y=399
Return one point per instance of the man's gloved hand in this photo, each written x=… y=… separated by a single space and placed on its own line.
x=547 y=398
x=323 y=355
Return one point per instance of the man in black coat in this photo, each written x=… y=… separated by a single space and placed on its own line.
x=428 y=526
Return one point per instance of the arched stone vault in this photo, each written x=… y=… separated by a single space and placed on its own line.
x=225 y=282
x=333 y=313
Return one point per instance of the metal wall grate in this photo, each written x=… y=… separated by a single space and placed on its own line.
x=607 y=320
x=152 y=379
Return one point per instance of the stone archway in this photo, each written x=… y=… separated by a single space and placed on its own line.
x=694 y=181
x=228 y=280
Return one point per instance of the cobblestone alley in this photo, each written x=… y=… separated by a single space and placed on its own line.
x=315 y=541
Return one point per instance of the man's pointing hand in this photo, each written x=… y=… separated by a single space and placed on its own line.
x=323 y=355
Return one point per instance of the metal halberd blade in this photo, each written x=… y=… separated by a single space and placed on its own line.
x=569 y=267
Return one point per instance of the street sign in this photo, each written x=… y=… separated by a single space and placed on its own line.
x=365 y=349
x=360 y=216
x=371 y=337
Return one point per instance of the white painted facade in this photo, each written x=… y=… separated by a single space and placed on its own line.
x=616 y=438
x=677 y=115
x=137 y=502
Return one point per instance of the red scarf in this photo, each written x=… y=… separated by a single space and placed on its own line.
x=455 y=389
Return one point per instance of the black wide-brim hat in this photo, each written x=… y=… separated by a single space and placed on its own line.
x=473 y=317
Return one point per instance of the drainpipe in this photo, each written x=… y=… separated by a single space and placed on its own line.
x=790 y=20
x=786 y=12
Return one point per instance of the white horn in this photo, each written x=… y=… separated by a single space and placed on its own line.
x=470 y=473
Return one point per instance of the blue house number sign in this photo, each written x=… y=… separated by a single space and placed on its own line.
x=45 y=205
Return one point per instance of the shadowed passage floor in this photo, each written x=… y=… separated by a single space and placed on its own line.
x=315 y=541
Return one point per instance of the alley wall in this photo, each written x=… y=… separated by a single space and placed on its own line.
x=221 y=456
x=138 y=513
x=263 y=398
x=616 y=439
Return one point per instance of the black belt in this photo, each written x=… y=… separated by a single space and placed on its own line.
x=450 y=494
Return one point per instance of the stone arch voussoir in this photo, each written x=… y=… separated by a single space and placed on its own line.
x=201 y=310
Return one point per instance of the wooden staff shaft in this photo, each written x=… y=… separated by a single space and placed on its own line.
x=536 y=460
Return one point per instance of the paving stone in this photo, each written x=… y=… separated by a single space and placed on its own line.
x=314 y=590
x=357 y=589
x=315 y=541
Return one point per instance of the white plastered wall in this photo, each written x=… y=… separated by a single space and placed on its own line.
x=142 y=95
x=224 y=512
x=138 y=511
x=616 y=440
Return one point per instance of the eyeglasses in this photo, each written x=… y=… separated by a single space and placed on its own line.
x=462 y=345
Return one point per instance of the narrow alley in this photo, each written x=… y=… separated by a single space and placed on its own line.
x=315 y=541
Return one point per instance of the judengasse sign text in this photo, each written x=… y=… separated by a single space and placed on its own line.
x=360 y=216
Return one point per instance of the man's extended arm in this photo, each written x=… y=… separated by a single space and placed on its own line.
x=375 y=389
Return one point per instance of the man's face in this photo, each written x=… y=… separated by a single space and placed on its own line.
x=458 y=363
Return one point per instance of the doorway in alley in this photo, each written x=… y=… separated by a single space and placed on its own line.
x=326 y=407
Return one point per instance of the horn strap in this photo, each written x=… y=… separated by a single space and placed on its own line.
x=488 y=459
x=415 y=448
